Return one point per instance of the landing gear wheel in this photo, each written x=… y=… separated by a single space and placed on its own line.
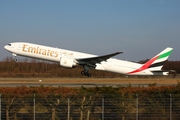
x=89 y=74
x=86 y=73
x=82 y=73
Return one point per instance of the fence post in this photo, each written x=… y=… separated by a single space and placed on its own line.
x=68 y=110
x=0 y=106
x=137 y=106
x=170 y=112
x=103 y=108
x=34 y=110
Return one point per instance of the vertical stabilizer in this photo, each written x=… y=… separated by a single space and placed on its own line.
x=157 y=62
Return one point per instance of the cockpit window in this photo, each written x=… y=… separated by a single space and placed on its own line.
x=9 y=44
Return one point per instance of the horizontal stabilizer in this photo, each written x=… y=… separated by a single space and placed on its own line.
x=163 y=72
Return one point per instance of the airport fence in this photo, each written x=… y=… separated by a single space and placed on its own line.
x=106 y=107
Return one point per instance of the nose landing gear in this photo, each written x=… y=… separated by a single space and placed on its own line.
x=15 y=57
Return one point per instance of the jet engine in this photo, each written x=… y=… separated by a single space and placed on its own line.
x=67 y=62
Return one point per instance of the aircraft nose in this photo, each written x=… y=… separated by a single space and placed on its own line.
x=5 y=47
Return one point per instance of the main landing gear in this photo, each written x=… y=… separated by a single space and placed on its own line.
x=85 y=72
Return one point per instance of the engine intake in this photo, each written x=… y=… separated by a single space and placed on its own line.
x=67 y=62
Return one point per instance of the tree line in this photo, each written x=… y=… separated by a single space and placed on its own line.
x=36 y=68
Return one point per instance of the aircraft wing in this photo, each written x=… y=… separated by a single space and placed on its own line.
x=93 y=60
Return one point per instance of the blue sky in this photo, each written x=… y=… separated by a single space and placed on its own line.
x=140 y=28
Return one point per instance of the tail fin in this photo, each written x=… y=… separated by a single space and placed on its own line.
x=157 y=62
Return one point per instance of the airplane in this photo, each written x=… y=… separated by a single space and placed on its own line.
x=71 y=59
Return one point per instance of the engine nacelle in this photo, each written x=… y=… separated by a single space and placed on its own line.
x=67 y=62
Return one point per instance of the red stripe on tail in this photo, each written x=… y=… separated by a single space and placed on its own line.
x=145 y=66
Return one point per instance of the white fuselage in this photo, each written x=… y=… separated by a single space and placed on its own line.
x=54 y=55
